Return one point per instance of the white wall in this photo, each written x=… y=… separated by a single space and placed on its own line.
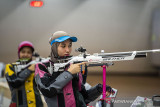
x=111 y=25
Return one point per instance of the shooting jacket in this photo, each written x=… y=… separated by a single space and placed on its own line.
x=62 y=89
x=23 y=87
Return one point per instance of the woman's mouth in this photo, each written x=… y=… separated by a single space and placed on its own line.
x=66 y=54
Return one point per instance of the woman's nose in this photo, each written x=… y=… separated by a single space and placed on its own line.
x=67 y=49
x=26 y=54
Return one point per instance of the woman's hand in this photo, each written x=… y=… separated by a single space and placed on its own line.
x=32 y=67
x=108 y=94
x=109 y=91
x=75 y=68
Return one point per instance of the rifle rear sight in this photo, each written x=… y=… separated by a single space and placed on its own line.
x=81 y=49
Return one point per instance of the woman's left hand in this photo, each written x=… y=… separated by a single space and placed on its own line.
x=109 y=91
x=108 y=94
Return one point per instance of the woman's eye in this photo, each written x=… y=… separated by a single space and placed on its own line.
x=63 y=46
x=70 y=45
x=23 y=51
x=29 y=52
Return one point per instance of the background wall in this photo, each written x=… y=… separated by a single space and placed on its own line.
x=111 y=25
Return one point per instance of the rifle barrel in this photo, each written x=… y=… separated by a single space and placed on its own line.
x=128 y=53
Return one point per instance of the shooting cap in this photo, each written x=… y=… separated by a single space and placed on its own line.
x=25 y=44
x=60 y=36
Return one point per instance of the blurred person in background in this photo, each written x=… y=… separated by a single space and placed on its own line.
x=22 y=84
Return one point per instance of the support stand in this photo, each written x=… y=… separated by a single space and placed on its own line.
x=103 y=65
x=104 y=87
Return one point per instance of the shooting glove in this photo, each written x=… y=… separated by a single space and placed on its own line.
x=108 y=88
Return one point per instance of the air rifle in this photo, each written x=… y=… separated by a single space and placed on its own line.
x=102 y=58
x=20 y=65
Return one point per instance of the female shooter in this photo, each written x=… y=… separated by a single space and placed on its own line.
x=64 y=88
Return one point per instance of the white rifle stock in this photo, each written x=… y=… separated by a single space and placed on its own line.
x=102 y=58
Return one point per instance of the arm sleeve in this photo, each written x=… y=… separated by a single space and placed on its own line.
x=16 y=80
x=48 y=84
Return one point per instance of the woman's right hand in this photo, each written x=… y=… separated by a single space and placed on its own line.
x=75 y=68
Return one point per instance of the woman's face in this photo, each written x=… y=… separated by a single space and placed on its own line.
x=26 y=52
x=65 y=48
